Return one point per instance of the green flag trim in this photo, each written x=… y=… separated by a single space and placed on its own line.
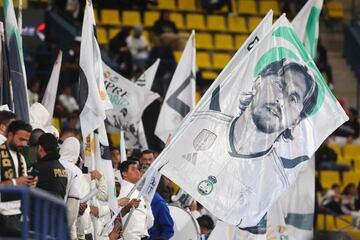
x=311 y=31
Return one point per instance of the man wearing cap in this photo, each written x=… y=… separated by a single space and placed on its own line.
x=52 y=175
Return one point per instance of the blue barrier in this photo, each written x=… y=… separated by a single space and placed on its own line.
x=44 y=216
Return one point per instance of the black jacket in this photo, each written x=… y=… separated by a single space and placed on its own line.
x=52 y=175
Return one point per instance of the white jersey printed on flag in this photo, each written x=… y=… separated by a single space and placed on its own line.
x=238 y=158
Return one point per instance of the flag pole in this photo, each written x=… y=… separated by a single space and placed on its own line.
x=123 y=156
x=90 y=140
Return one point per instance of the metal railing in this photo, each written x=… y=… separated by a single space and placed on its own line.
x=44 y=215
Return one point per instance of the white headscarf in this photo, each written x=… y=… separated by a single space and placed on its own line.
x=70 y=150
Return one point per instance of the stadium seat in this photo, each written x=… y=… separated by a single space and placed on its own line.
x=177 y=55
x=216 y=23
x=110 y=17
x=335 y=9
x=187 y=5
x=203 y=60
x=131 y=18
x=204 y=41
x=96 y=16
x=115 y=139
x=237 y=25
x=178 y=19
x=166 y=4
x=337 y=149
x=265 y=6
x=253 y=22
x=224 y=42
x=101 y=35
x=247 y=7
x=197 y=96
x=150 y=18
x=209 y=75
x=220 y=60
x=328 y=178
x=325 y=222
x=239 y=40
x=195 y=21
x=113 y=32
x=351 y=177
x=352 y=151
x=57 y=123
x=343 y=222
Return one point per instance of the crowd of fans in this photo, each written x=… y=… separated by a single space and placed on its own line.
x=33 y=156
x=53 y=163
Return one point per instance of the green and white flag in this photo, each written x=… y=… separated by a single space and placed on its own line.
x=16 y=63
x=289 y=219
x=306 y=25
x=273 y=114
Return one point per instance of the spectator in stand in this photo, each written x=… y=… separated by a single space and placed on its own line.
x=212 y=5
x=332 y=200
x=166 y=67
x=322 y=63
x=326 y=157
x=350 y=129
x=52 y=175
x=68 y=101
x=33 y=92
x=139 y=48
x=164 y=24
x=348 y=200
x=165 y=30
x=120 y=52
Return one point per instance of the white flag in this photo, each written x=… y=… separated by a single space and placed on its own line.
x=292 y=216
x=180 y=97
x=274 y=108
x=129 y=101
x=93 y=100
x=49 y=97
x=104 y=164
x=290 y=219
x=147 y=78
x=306 y=25
x=148 y=183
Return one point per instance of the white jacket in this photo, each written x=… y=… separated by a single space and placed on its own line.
x=142 y=218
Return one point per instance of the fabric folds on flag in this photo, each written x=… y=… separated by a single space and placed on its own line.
x=180 y=97
x=129 y=101
x=93 y=102
x=49 y=97
x=5 y=91
x=16 y=63
x=306 y=25
x=274 y=109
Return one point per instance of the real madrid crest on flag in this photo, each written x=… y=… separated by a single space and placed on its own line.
x=205 y=187
x=271 y=115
